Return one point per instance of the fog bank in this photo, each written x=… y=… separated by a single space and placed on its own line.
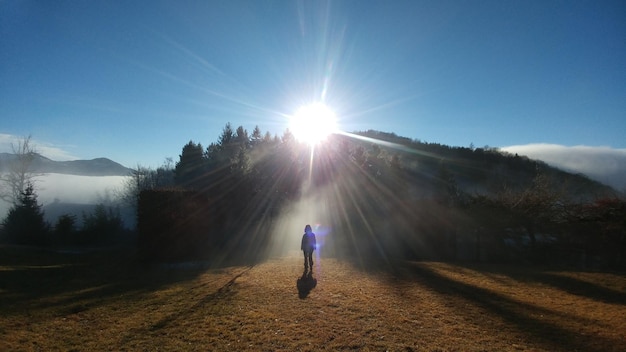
x=73 y=189
x=603 y=164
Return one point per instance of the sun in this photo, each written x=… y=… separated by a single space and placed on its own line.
x=313 y=123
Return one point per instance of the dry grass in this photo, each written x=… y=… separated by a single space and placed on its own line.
x=104 y=301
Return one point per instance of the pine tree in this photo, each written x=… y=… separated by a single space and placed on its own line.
x=25 y=222
x=256 y=137
x=191 y=165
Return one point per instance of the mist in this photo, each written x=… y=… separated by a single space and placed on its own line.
x=603 y=164
x=311 y=209
x=73 y=190
x=78 y=189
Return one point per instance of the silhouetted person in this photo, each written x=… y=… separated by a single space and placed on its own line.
x=308 y=246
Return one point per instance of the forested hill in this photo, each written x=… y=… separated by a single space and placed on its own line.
x=472 y=170
x=417 y=169
x=383 y=196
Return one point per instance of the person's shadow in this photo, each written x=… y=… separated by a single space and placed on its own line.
x=305 y=284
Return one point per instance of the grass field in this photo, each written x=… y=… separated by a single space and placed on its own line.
x=104 y=300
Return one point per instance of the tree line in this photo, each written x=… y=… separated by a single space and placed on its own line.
x=392 y=198
x=388 y=198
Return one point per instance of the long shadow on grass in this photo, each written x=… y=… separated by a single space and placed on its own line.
x=568 y=284
x=217 y=297
x=514 y=312
x=583 y=288
x=33 y=275
x=32 y=278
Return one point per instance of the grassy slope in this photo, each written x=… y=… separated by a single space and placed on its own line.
x=103 y=301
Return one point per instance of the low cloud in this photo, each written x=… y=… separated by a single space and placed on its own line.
x=78 y=189
x=604 y=164
x=73 y=189
x=50 y=151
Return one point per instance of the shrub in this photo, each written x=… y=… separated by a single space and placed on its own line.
x=173 y=224
x=65 y=229
x=103 y=225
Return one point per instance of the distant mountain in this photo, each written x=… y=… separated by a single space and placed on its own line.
x=93 y=167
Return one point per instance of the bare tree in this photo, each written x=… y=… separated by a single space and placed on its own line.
x=18 y=173
x=536 y=206
x=145 y=178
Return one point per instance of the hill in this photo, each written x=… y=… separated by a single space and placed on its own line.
x=385 y=196
x=93 y=167
x=473 y=170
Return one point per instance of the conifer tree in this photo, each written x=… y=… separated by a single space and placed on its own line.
x=191 y=165
x=25 y=222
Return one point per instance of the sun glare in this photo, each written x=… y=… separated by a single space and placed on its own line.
x=313 y=123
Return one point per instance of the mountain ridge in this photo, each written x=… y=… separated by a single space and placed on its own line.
x=93 y=167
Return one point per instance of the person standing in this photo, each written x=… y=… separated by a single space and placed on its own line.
x=308 y=246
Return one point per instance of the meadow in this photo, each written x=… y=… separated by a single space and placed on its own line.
x=105 y=300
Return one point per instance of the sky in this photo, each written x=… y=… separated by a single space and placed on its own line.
x=134 y=81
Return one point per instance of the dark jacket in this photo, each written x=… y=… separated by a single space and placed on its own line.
x=308 y=242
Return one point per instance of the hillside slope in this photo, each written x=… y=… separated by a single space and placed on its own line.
x=472 y=170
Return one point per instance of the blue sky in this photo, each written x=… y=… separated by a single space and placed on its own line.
x=135 y=80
